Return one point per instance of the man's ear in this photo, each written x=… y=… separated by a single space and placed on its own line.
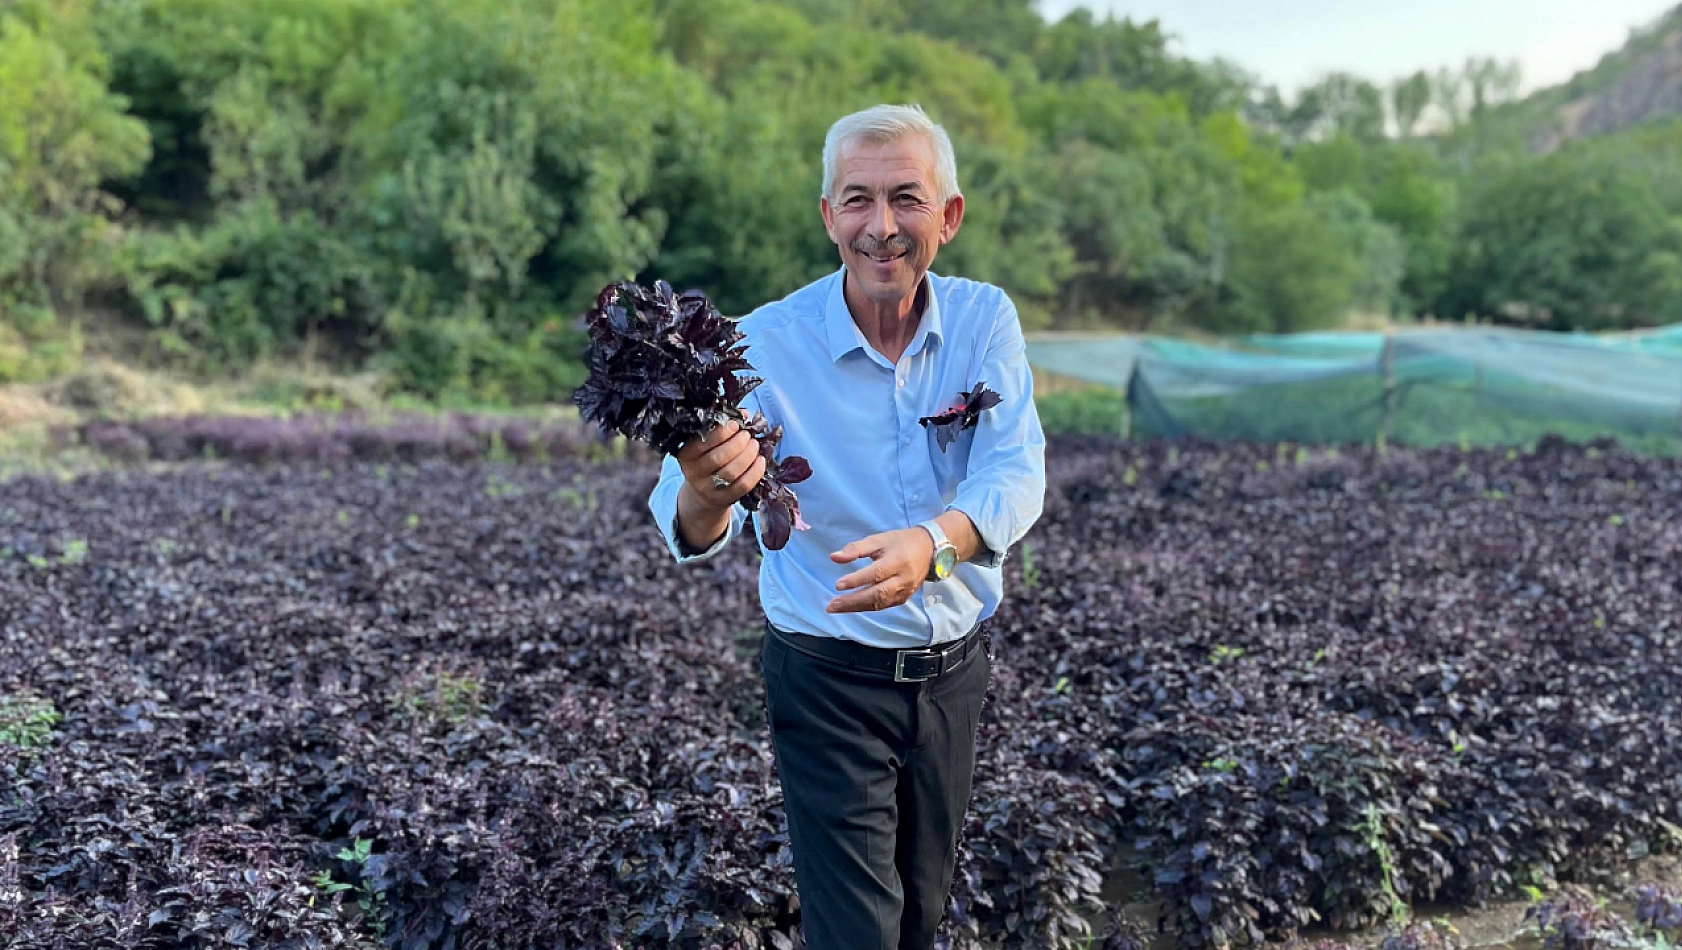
x=952 y=216
x=828 y=219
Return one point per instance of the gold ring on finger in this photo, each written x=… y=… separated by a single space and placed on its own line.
x=719 y=481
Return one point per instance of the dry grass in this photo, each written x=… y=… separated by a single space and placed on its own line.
x=107 y=389
x=34 y=417
x=33 y=414
x=24 y=407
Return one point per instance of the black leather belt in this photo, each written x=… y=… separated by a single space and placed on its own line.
x=905 y=666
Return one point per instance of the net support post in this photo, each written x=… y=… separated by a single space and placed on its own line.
x=1387 y=366
x=1127 y=403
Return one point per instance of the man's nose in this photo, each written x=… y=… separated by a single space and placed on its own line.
x=882 y=223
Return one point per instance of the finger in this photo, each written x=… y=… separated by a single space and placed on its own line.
x=741 y=486
x=708 y=441
x=739 y=463
x=722 y=432
x=864 y=577
x=739 y=445
x=737 y=488
x=876 y=597
x=703 y=443
x=703 y=467
x=870 y=547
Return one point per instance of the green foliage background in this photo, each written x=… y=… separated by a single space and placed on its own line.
x=437 y=188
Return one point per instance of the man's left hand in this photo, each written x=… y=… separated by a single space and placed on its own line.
x=899 y=563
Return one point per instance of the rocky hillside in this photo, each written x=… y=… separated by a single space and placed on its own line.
x=1637 y=84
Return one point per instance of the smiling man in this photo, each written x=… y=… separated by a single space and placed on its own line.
x=875 y=672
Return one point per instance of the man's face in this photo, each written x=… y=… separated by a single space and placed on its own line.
x=885 y=215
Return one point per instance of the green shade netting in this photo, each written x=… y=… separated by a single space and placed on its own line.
x=1425 y=387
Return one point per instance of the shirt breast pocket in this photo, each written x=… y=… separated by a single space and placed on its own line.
x=950 y=466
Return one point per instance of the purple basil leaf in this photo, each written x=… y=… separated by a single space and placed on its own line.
x=778 y=522
x=795 y=470
x=946 y=427
x=983 y=398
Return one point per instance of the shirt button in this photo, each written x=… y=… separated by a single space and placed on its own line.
x=902 y=382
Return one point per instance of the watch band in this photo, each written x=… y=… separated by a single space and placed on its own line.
x=935 y=531
x=941 y=544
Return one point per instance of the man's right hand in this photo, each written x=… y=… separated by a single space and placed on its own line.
x=724 y=451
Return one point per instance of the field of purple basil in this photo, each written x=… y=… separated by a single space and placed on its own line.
x=433 y=703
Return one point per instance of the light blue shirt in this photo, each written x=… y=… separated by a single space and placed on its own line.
x=853 y=415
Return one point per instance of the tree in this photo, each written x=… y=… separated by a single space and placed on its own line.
x=997 y=28
x=1491 y=82
x=1292 y=270
x=1135 y=57
x=61 y=134
x=1449 y=95
x=1338 y=103
x=1575 y=240
x=1468 y=93
x=1378 y=249
x=1405 y=186
x=1144 y=192
x=1409 y=98
x=1345 y=104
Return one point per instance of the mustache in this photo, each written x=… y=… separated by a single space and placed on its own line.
x=894 y=245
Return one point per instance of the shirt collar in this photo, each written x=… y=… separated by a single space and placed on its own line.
x=845 y=335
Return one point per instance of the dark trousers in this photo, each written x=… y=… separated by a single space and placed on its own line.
x=876 y=778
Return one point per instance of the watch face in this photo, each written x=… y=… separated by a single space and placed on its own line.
x=945 y=560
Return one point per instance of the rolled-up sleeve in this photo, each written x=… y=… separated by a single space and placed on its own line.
x=1003 y=491
x=663 y=503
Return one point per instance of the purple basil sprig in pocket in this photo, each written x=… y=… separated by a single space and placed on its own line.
x=963 y=414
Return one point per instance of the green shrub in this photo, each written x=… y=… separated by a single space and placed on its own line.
x=462 y=357
x=255 y=284
x=1089 y=411
x=26 y=721
x=61 y=134
x=439 y=698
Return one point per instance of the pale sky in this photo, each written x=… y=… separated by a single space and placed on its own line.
x=1291 y=42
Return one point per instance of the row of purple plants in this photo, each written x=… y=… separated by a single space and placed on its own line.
x=336 y=438
x=475 y=705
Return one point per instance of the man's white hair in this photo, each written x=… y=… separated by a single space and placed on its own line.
x=879 y=124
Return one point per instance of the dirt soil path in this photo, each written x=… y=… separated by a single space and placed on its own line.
x=1495 y=926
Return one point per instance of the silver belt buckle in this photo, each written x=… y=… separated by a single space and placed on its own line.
x=899 y=666
x=899 y=662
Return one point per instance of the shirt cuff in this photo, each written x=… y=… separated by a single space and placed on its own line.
x=992 y=553
x=686 y=553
